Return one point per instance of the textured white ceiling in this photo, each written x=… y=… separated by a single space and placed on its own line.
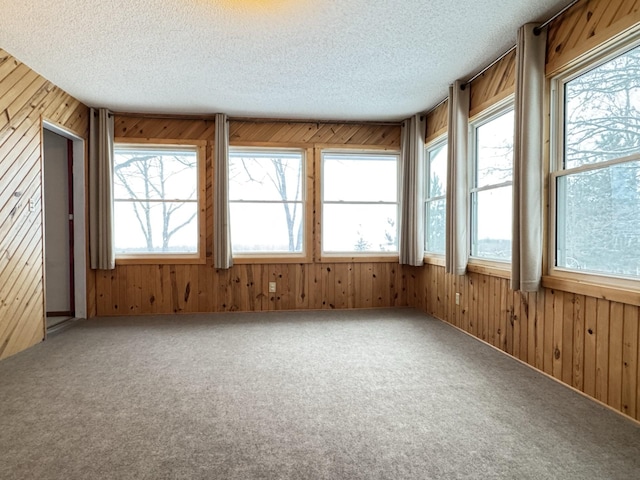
x=319 y=59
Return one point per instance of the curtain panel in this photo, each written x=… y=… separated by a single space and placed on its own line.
x=411 y=247
x=526 y=262
x=222 y=256
x=101 y=138
x=457 y=243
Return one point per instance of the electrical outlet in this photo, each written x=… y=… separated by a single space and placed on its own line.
x=32 y=205
x=457 y=298
x=272 y=287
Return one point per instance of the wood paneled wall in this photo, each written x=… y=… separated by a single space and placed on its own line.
x=141 y=289
x=496 y=83
x=310 y=134
x=586 y=26
x=25 y=98
x=588 y=342
x=437 y=121
x=145 y=289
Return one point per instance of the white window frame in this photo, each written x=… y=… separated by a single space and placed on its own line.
x=602 y=55
x=439 y=142
x=351 y=254
x=279 y=256
x=498 y=109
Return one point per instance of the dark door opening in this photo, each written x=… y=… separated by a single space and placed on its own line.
x=58 y=211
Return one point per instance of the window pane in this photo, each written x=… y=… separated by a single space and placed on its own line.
x=359 y=228
x=494 y=143
x=266 y=227
x=599 y=220
x=265 y=176
x=155 y=174
x=602 y=112
x=492 y=228
x=435 y=222
x=276 y=177
x=156 y=227
x=362 y=178
x=438 y=171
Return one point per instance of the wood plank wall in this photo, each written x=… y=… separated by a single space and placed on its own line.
x=586 y=342
x=437 y=121
x=142 y=289
x=586 y=26
x=496 y=83
x=25 y=97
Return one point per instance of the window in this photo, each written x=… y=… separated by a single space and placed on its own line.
x=435 y=197
x=595 y=184
x=359 y=202
x=491 y=185
x=158 y=201
x=266 y=201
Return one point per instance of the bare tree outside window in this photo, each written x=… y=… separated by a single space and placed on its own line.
x=598 y=206
x=266 y=201
x=156 y=202
x=435 y=203
x=491 y=192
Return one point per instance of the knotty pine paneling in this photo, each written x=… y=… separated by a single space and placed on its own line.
x=309 y=133
x=588 y=343
x=25 y=98
x=148 y=289
x=591 y=344
x=585 y=26
x=496 y=83
x=144 y=289
x=437 y=121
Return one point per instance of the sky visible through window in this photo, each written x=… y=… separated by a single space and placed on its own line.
x=435 y=214
x=492 y=207
x=155 y=200
x=360 y=203
x=266 y=201
x=598 y=202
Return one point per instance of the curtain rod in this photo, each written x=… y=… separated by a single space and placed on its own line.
x=490 y=65
x=436 y=105
x=537 y=29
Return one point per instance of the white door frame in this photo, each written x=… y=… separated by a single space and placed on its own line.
x=79 y=217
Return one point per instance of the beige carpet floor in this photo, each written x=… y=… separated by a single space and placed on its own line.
x=370 y=394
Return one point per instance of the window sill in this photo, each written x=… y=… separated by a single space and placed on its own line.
x=434 y=260
x=606 y=289
x=493 y=269
x=359 y=259
x=160 y=260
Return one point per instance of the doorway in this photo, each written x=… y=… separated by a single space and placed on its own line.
x=64 y=226
x=58 y=220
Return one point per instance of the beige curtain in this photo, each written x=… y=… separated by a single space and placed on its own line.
x=222 y=257
x=457 y=242
x=412 y=204
x=526 y=262
x=101 y=136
